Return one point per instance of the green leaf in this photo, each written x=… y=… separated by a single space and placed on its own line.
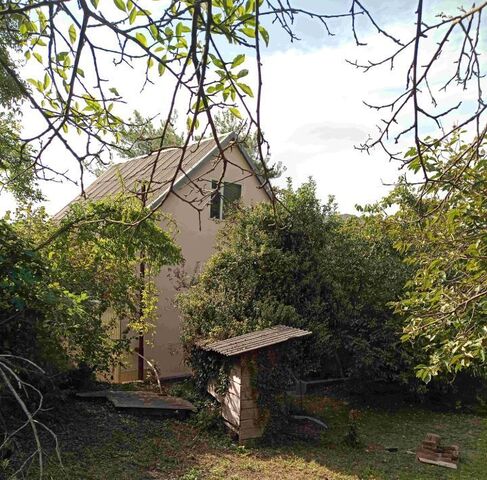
x=114 y=91
x=217 y=62
x=140 y=37
x=120 y=4
x=95 y=3
x=47 y=81
x=246 y=89
x=38 y=56
x=61 y=56
x=72 y=34
x=265 y=35
x=133 y=15
x=235 y=112
x=179 y=29
x=250 y=32
x=238 y=60
x=154 y=32
x=42 y=20
x=161 y=67
x=242 y=73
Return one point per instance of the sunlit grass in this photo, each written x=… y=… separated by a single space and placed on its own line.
x=170 y=449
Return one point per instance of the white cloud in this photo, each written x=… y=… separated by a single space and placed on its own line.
x=312 y=113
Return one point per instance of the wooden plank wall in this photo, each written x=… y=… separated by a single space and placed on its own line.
x=251 y=422
x=239 y=405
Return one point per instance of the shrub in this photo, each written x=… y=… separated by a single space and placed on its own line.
x=301 y=264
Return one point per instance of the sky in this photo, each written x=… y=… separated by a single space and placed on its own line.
x=313 y=111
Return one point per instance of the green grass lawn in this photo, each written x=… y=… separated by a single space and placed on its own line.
x=100 y=443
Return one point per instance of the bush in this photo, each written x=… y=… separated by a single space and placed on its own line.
x=305 y=266
x=56 y=282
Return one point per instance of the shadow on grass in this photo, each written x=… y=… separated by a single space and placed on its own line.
x=101 y=443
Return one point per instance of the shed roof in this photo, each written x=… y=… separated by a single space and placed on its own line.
x=255 y=340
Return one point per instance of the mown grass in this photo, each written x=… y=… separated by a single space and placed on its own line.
x=100 y=443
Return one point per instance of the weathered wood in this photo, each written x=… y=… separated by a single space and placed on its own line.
x=234 y=388
x=231 y=409
x=251 y=403
x=249 y=413
x=251 y=429
x=430 y=451
x=239 y=406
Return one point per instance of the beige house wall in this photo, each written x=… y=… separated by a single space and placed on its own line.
x=196 y=236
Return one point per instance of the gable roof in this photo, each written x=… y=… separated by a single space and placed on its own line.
x=126 y=176
x=255 y=340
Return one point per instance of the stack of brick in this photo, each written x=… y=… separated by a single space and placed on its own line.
x=431 y=452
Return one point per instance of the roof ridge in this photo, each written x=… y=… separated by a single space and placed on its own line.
x=195 y=142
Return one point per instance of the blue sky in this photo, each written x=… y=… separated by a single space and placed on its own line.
x=313 y=112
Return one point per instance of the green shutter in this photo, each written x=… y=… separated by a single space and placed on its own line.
x=215 y=201
x=231 y=194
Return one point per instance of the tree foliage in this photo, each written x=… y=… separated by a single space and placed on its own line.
x=307 y=267
x=94 y=255
x=17 y=170
x=441 y=228
x=11 y=86
x=75 y=45
x=17 y=167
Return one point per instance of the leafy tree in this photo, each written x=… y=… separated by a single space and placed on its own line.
x=63 y=289
x=77 y=43
x=441 y=228
x=140 y=136
x=12 y=88
x=308 y=268
x=17 y=168
x=94 y=254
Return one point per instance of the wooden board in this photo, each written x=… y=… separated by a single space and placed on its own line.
x=148 y=401
x=432 y=458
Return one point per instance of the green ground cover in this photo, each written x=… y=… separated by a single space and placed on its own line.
x=100 y=443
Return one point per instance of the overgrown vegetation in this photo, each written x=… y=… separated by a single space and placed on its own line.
x=305 y=266
x=65 y=290
x=441 y=228
x=100 y=443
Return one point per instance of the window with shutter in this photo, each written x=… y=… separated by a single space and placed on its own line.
x=231 y=195
x=222 y=200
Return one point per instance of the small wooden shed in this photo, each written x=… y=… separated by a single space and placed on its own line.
x=239 y=404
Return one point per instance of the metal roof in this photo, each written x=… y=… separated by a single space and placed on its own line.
x=255 y=340
x=162 y=165
x=127 y=176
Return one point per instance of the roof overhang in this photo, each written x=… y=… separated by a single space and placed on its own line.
x=226 y=142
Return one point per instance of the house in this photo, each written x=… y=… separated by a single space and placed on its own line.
x=197 y=214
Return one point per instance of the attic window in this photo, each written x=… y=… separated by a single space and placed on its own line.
x=224 y=198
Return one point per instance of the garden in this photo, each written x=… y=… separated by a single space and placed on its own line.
x=381 y=315
x=366 y=288
x=100 y=443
